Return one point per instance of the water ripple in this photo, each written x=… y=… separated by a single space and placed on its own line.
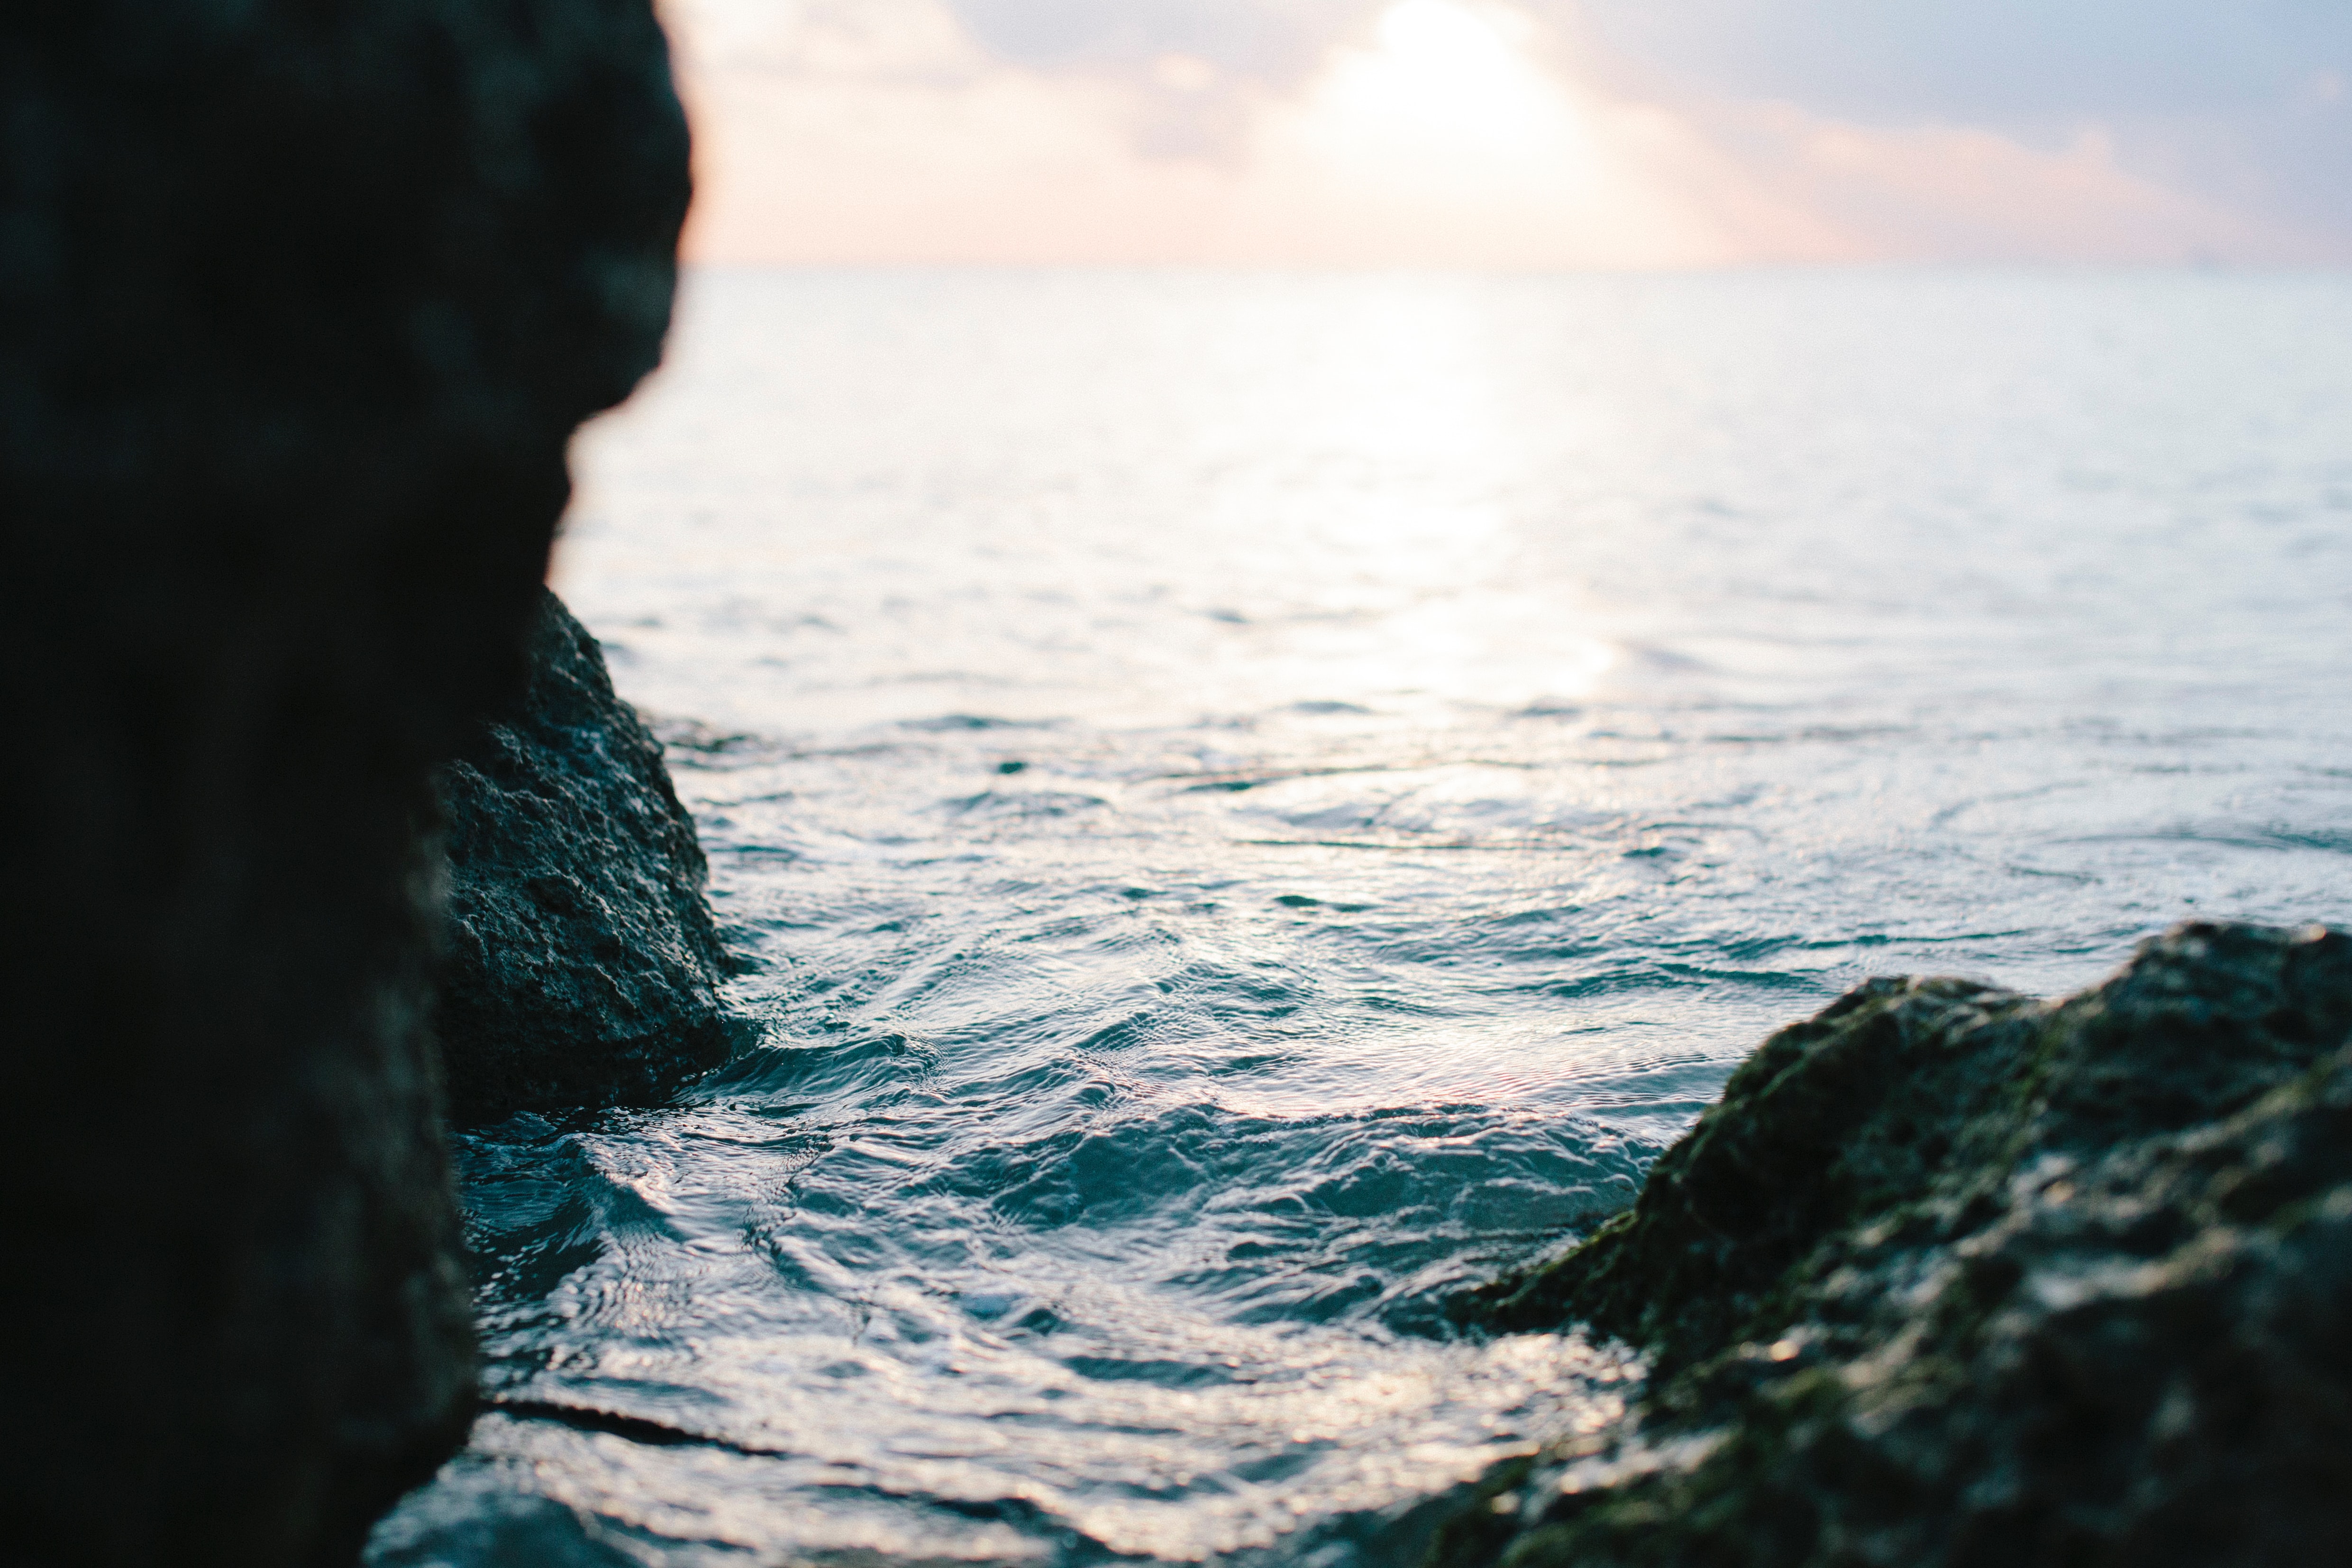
x=1247 y=802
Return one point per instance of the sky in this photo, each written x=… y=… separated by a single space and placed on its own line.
x=1518 y=134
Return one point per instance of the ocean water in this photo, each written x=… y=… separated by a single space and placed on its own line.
x=1249 y=802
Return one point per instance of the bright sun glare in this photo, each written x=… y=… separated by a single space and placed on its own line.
x=1446 y=70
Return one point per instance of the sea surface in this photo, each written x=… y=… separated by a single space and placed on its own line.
x=1248 y=803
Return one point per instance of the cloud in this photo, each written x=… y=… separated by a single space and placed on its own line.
x=2242 y=106
x=1277 y=42
x=1993 y=63
x=1471 y=133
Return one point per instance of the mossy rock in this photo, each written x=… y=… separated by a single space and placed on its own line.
x=1952 y=1276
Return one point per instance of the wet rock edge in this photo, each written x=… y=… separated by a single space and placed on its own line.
x=582 y=966
x=1953 y=1276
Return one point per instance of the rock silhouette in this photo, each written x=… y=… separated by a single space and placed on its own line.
x=299 y=308
x=1951 y=1278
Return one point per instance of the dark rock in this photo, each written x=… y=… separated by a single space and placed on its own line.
x=582 y=967
x=298 y=306
x=1954 y=1278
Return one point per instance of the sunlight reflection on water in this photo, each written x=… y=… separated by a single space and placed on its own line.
x=1254 y=801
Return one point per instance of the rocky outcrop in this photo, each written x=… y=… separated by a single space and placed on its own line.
x=298 y=306
x=1954 y=1278
x=582 y=968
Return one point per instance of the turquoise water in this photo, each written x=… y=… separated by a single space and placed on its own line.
x=1251 y=801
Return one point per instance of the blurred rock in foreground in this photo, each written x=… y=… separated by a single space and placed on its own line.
x=299 y=307
x=582 y=968
x=1951 y=1277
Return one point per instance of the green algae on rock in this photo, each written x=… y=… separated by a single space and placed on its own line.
x=1952 y=1276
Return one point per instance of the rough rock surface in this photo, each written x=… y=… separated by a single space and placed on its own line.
x=582 y=966
x=1951 y=1277
x=298 y=306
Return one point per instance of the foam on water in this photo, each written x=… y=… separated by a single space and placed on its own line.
x=1253 y=801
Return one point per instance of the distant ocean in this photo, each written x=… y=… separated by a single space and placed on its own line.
x=1254 y=801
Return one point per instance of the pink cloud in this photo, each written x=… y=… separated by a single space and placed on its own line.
x=1426 y=132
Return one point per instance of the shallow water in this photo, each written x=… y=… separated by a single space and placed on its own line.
x=1251 y=801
